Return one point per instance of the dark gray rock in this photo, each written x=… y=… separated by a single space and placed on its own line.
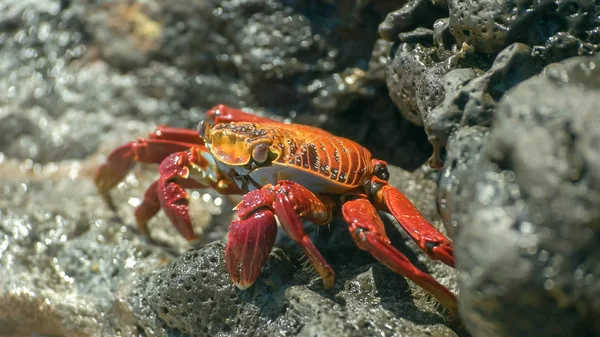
x=405 y=73
x=414 y=14
x=504 y=42
x=490 y=26
x=471 y=101
x=464 y=151
x=528 y=210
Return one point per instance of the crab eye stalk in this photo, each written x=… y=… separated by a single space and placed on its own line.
x=260 y=153
x=203 y=128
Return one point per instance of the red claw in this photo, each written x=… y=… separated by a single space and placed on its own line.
x=292 y=202
x=249 y=243
x=445 y=253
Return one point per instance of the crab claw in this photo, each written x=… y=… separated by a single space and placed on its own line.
x=248 y=246
x=443 y=252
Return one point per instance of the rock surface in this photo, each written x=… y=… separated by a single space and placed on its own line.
x=517 y=152
x=529 y=210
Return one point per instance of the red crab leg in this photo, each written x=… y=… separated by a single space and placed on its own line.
x=147 y=209
x=222 y=114
x=120 y=161
x=180 y=135
x=433 y=242
x=291 y=203
x=368 y=232
x=152 y=204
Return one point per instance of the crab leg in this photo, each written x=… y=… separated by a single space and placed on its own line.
x=120 y=161
x=368 y=232
x=147 y=209
x=223 y=114
x=433 y=242
x=152 y=204
x=180 y=135
x=291 y=203
x=160 y=143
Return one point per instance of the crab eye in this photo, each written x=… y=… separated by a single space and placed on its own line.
x=260 y=153
x=203 y=127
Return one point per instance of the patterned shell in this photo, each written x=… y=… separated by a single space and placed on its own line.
x=304 y=147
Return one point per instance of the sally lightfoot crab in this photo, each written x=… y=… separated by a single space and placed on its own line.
x=287 y=173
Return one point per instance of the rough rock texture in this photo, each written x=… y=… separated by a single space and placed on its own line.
x=517 y=151
x=529 y=210
x=492 y=25
x=502 y=42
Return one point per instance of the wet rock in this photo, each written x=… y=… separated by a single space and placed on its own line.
x=404 y=73
x=63 y=259
x=167 y=63
x=528 y=210
x=503 y=42
x=471 y=100
x=492 y=25
x=464 y=151
x=414 y=14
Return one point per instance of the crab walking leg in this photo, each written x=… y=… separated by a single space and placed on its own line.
x=147 y=209
x=294 y=228
x=180 y=135
x=291 y=203
x=223 y=114
x=368 y=232
x=249 y=243
x=120 y=161
x=433 y=242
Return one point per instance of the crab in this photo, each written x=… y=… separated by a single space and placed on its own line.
x=287 y=174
